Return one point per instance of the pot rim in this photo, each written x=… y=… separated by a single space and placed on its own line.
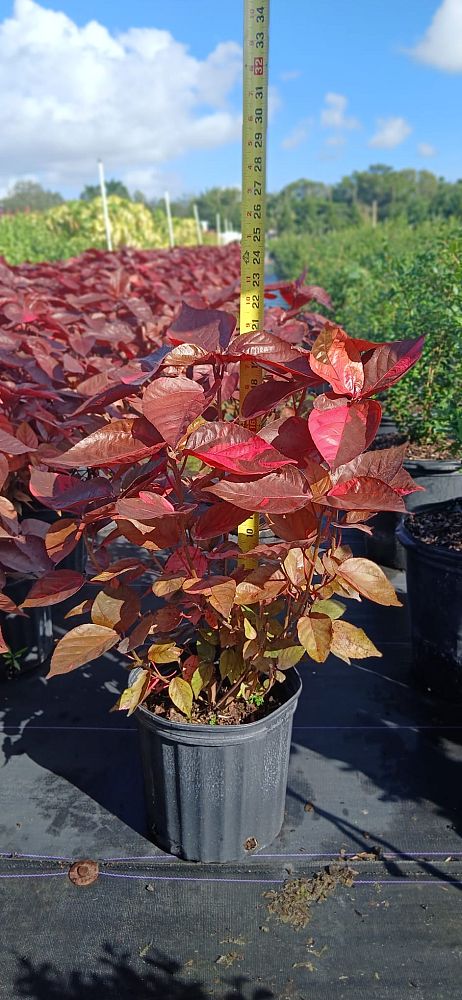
x=197 y=732
x=433 y=466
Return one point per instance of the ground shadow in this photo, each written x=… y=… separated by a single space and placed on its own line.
x=65 y=726
x=116 y=979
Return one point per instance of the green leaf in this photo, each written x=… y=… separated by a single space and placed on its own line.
x=201 y=678
x=334 y=609
x=205 y=650
x=231 y=665
x=163 y=652
x=132 y=696
x=249 y=630
x=290 y=656
x=181 y=694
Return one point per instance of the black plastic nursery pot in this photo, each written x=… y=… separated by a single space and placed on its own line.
x=441 y=480
x=30 y=638
x=217 y=793
x=387 y=426
x=434 y=588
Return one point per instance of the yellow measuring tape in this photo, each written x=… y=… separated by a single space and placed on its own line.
x=254 y=123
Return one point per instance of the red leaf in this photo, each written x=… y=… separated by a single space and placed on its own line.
x=61 y=539
x=336 y=359
x=384 y=464
x=261 y=347
x=364 y=493
x=277 y=493
x=98 y=403
x=141 y=509
x=118 y=443
x=185 y=558
x=79 y=646
x=291 y=436
x=12 y=446
x=341 y=429
x=210 y=329
x=388 y=362
x=227 y=446
x=63 y=492
x=54 y=588
x=171 y=404
x=218 y=519
x=295 y=526
x=266 y=396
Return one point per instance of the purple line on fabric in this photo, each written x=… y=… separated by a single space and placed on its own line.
x=14 y=856
x=35 y=875
x=192 y=878
x=407 y=881
x=257 y=881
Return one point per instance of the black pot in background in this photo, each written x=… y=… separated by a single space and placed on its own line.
x=434 y=588
x=387 y=426
x=76 y=559
x=30 y=639
x=215 y=793
x=441 y=480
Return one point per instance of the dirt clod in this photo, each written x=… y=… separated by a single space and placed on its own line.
x=291 y=904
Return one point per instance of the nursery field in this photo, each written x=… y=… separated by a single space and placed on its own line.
x=125 y=470
x=75 y=226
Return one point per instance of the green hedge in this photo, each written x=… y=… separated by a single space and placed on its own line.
x=389 y=283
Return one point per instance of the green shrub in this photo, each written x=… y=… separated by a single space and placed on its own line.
x=392 y=282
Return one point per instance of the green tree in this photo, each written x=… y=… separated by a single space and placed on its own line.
x=92 y=191
x=29 y=195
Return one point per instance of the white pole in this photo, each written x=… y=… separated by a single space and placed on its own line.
x=198 y=225
x=107 y=221
x=171 y=237
x=218 y=229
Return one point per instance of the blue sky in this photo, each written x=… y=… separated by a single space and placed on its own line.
x=155 y=89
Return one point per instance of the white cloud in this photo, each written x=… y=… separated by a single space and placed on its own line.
x=274 y=102
x=336 y=141
x=390 y=132
x=290 y=74
x=138 y=99
x=333 y=115
x=441 y=45
x=299 y=134
x=425 y=149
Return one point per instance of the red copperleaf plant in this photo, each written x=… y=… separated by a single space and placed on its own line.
x=208 y=631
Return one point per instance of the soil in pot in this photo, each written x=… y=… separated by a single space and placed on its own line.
x=237 y=714
x=216 y=792
x=441 y=480
x=433 y=540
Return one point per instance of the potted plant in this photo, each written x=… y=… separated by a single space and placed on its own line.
x=426 y=406
x=432 y=538
x=214 y=635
